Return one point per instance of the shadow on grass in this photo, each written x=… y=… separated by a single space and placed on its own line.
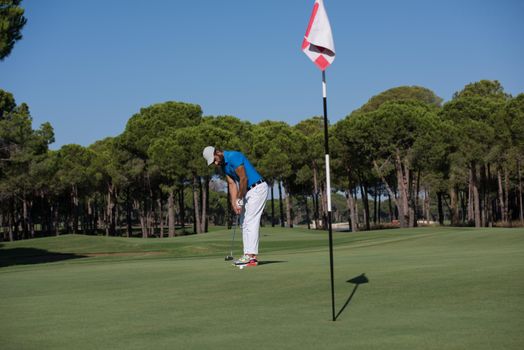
x=267 y=262
x=358 y=280
x=30 y=256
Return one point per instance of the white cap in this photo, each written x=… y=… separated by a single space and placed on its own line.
x=209 y=154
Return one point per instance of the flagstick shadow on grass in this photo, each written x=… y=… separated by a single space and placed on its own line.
x=270 y=262
x=358 y=280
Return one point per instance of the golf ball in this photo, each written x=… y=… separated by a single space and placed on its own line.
x=241 y=267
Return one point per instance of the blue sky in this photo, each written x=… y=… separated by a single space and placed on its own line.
x=88 y=66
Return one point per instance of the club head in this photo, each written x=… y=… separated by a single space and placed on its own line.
x=228 y=258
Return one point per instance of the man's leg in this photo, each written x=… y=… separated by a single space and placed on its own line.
x=255 y=202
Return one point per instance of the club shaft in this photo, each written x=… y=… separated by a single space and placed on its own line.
x=233 y=238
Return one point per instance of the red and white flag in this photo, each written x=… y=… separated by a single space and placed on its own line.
x=318 y=42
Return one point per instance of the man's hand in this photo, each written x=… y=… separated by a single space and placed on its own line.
x=233 y=192
x=238 y=206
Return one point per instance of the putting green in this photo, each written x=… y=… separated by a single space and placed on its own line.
x=429 y=288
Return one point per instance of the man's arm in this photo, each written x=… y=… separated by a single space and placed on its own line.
x=233 y=192
x=241 y=172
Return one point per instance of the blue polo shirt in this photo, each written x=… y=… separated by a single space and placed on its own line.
x=234 y=159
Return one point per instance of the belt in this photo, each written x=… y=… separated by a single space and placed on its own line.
x=256 y=183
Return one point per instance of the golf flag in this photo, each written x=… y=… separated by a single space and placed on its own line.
x=318 y=42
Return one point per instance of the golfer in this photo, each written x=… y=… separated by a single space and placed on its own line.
x=248 y=195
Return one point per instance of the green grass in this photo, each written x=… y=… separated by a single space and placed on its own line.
x=429 y=288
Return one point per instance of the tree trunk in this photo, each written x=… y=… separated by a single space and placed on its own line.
x=314 y=201
x=375 y=205
x=49 y=215
x=454 y=206
x=139 y=207
x=506 y=182
x=171 y=213
x=282 y=223
x=10 y=230
x=272 y=206
x=459 y=216
x=151 y=223
x=476 y=195
x=182 y=206
x=114 y=222
x=288 y=209
x=502 y=201
x=201 y=204
x=403 y=186
x=11 y=220
x=414 y=200
x=2 y=228
x=351 y=207
x=379 y=206
x=93 y=217
x=96 y=219
x=206 y=204
x=521 y=208
x=307 y=213
x=25 y=220
x=316 y=215
x=412 y=193
x=89 y=215
x=196 y=208
x=143 y=224
x=55 y=219
x=110 y=210
x=484 y=207
x=471 y=200
x=160 y=215
x=75 y=199
x=117 y=229
x=486 y=196
x=128 y=213
x=353 y=220
x=426 y=205
x=441 y=209
x=365 y=201
x=203 y=195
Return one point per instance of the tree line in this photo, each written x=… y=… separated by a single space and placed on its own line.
x=458 y=162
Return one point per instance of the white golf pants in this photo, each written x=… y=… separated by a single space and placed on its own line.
x=254 y=203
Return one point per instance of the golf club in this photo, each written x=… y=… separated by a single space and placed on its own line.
x=230 y=256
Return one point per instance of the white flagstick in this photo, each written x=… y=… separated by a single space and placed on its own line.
x=328 y=193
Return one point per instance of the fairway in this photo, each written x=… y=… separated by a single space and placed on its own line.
x=429 y=288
